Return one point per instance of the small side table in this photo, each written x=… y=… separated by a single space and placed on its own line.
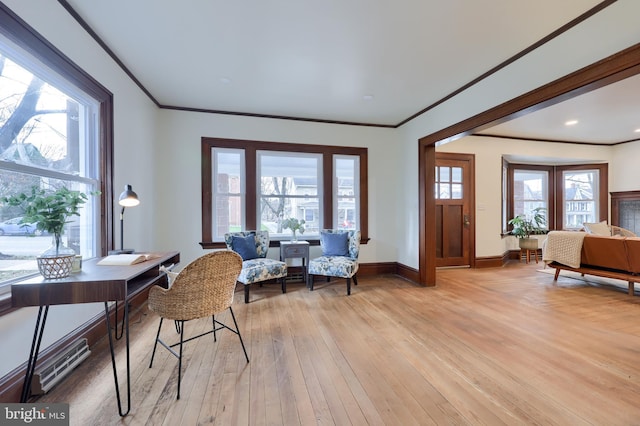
x=293 y=250
x=527 y=254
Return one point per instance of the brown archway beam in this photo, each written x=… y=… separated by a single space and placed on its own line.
x=614 y=68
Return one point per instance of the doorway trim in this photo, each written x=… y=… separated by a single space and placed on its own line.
x=470 y=189
x=616 y=67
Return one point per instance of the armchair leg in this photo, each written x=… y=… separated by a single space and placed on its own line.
x=348 y=286
x=310 y=282
x=283 y=284
x=355 y=280
x=246 y=293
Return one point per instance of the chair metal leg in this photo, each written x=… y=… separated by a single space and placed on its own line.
x=155 y=345
x=180 y=357
x=237 y=331
x=213 y=318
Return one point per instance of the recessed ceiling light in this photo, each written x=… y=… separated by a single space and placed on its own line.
x=571 y=122
x=368 y=97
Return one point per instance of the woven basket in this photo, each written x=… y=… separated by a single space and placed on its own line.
x=55 y=267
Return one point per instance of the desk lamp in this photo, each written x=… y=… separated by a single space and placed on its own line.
x=128 y=198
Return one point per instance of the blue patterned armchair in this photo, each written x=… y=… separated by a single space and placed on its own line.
x=256 y=267
x=340 y=250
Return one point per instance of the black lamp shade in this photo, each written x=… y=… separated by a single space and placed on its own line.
x=128 y=198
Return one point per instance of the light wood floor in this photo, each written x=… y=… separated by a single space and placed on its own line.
x=489 y=346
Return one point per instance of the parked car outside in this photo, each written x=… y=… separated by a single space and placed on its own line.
x=14 y=227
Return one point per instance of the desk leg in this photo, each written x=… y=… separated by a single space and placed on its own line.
x=122 y=327
x=33 y=355
x=125 y=324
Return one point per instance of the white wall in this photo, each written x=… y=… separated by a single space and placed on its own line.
x=625 y=176
x=179 y=190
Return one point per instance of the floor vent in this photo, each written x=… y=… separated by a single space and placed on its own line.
x=54 y=370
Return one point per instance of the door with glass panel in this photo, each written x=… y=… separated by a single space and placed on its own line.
x=454 y=206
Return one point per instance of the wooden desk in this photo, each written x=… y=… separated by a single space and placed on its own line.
x=95 y=283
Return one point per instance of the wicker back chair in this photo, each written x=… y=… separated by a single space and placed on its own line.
x=204 y=288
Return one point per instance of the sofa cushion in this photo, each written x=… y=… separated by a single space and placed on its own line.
x=261 y=269
x=605 y=252
x=599 y=228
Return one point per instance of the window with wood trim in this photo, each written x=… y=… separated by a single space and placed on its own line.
x=55 y=130
x=570 y=194
x=248 y=185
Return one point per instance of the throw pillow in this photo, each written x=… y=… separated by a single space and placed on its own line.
x=600 y=228
x=245 y=246
x=335 y=244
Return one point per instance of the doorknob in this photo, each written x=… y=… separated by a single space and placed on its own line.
x=466 y=220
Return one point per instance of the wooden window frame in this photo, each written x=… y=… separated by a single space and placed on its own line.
x=251 y=147
x=555 y=189
x=19 y=32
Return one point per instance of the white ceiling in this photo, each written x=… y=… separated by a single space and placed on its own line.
x=604 y=116
x=358 y=61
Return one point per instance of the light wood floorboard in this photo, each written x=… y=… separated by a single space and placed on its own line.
x=504 y=346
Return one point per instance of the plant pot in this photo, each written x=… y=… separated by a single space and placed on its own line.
x=56 y=261
x=528 y=243
x=55 y=266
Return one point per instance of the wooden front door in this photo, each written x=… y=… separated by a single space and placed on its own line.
x=455 y=225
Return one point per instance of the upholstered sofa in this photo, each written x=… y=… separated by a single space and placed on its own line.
x=589 y=254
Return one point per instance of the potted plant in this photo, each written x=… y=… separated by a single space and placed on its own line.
x=295 y=225
x=50 y=211
x=525 y=226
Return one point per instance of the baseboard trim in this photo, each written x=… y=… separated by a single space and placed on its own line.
x=490 y=262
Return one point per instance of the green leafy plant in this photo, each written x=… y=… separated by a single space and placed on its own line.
x=50 y=210
x=294 y=224
x=525 y=226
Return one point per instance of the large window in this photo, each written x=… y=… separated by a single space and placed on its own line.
x=257 y=185
x=289 y=184
x=570 y=195
x=55 y=127
x=580 y=197
x=530 y=191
